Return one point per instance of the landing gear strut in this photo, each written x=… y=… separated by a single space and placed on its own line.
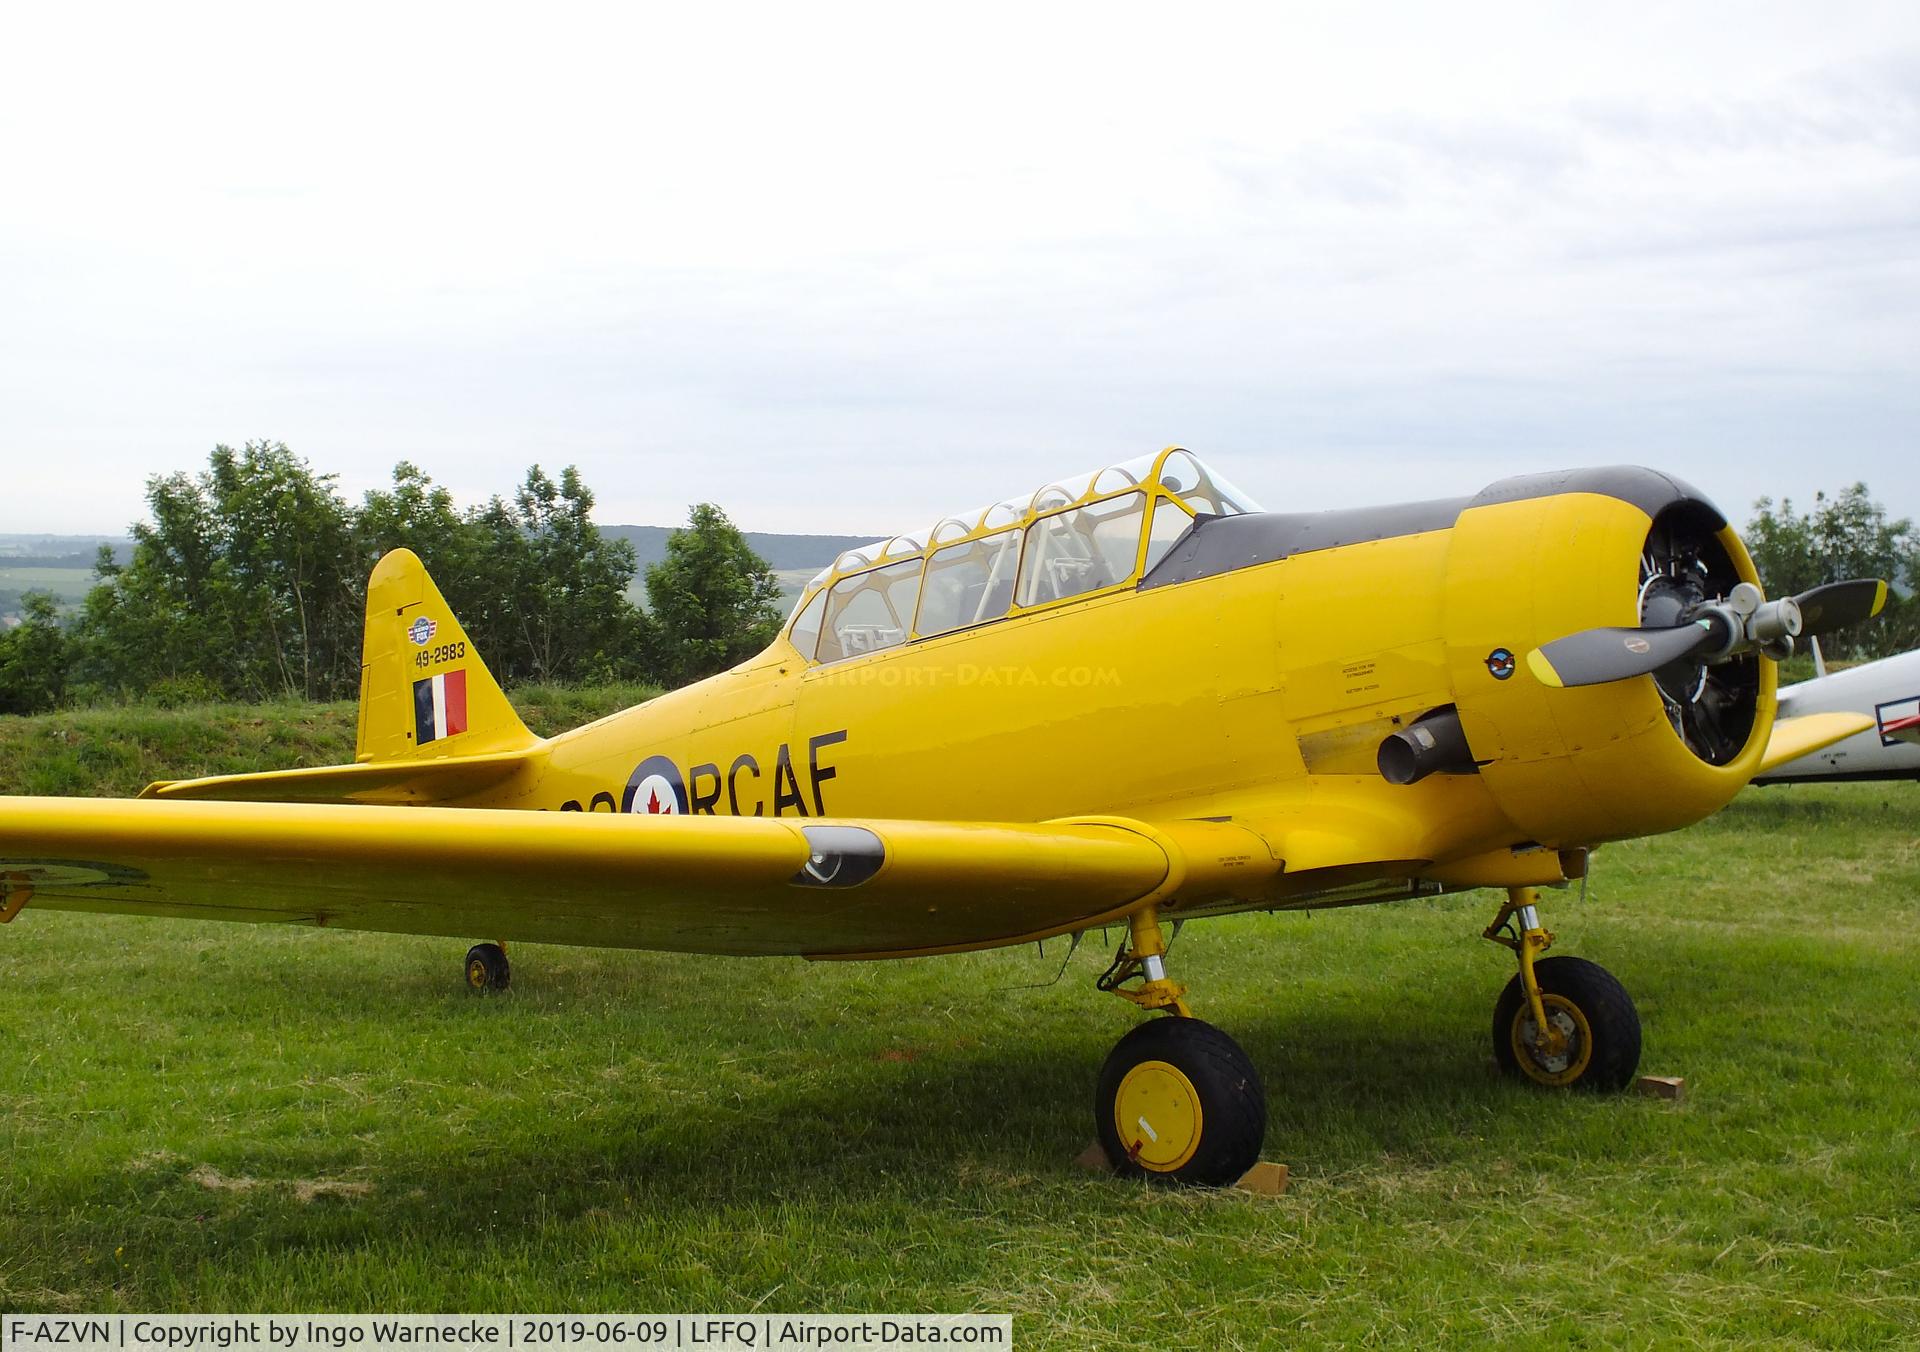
x=1561 y=1022
x=1178 y=1100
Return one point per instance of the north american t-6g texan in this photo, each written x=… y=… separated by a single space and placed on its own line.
x=1127 y=700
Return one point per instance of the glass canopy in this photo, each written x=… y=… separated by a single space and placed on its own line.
x=1178 y=473
x=1069 y=539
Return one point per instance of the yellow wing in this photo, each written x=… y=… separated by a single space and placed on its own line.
x=694 y=884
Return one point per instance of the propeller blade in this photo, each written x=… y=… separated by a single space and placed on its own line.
x=1839 y=604
x=1596 y=656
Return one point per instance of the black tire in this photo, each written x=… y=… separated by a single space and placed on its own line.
x=1232 y=1106
x=487 y=968
x=1601 y=1003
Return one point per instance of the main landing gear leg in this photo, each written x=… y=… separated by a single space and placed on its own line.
x=1178 y=1101
x=1561 y=1022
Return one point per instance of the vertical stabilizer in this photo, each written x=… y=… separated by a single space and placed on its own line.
x=424 y=692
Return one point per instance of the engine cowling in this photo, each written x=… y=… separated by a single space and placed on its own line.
x=1535 y=558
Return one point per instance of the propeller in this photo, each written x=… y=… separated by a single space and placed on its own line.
x=1596 y=656
x=1839 y=604
x=1712 y=631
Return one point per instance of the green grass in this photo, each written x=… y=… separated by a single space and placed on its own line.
x=223 y=1117
x=69 y=584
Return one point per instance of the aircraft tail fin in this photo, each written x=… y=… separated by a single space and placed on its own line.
x=425 y=692
x=434 y=724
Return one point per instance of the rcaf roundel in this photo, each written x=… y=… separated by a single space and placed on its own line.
x=655 y=788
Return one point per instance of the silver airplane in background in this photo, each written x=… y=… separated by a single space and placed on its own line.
x=1889 y=690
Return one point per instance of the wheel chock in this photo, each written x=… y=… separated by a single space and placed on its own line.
x=1673 y=1088
x=16 y=890
x=1093 y=1159
x=1265 y=1179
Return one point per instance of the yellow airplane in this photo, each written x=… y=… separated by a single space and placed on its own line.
x=1125 y=700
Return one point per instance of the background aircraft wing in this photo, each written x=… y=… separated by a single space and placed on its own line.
x=695 y=884
x=1793 y=738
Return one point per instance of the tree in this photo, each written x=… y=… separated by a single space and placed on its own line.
x=712 y=598
x=33 y=658
x=546 y=591
x=246 y=580
x=286 y=538
x=1844 y=536
x=250 y=579
x=415 y=514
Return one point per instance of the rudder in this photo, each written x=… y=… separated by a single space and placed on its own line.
x=424 y=690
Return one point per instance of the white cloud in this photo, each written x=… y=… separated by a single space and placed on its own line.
x=846 y=268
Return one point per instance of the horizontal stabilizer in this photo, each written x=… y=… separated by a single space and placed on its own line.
x=392 y=782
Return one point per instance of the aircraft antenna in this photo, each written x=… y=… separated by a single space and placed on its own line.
x=1073 y=942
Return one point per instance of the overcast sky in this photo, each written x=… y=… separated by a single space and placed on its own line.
x=851 y=269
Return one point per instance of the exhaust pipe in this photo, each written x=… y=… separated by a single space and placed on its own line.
x=1432 y=744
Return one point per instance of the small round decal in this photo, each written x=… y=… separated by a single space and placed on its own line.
x=1500 y=663
x=655 y=788
x=1638 y=645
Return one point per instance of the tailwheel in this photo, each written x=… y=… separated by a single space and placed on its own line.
x=1179 y=1102
x=487 y=967
x=1592 y=1034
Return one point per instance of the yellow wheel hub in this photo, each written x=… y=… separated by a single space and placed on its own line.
x=477 y=974
x=1543 y=1062
x=1157 y=1113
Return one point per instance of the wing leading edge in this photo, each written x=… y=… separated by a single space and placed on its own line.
x=693 y=884
x=1792 y=738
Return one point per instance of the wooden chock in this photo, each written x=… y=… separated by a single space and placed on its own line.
x=1265 y=1179
x=16 y=890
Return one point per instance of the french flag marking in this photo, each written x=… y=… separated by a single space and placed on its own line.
x=439 y=707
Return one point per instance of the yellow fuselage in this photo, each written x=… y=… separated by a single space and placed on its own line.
x=1258 y=693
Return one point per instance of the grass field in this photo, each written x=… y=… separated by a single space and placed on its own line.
x=221 y=1117
x=69 y=585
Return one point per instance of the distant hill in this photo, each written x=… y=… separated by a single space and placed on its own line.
x=63 y=564
x=782 y=552
x=60 y=551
